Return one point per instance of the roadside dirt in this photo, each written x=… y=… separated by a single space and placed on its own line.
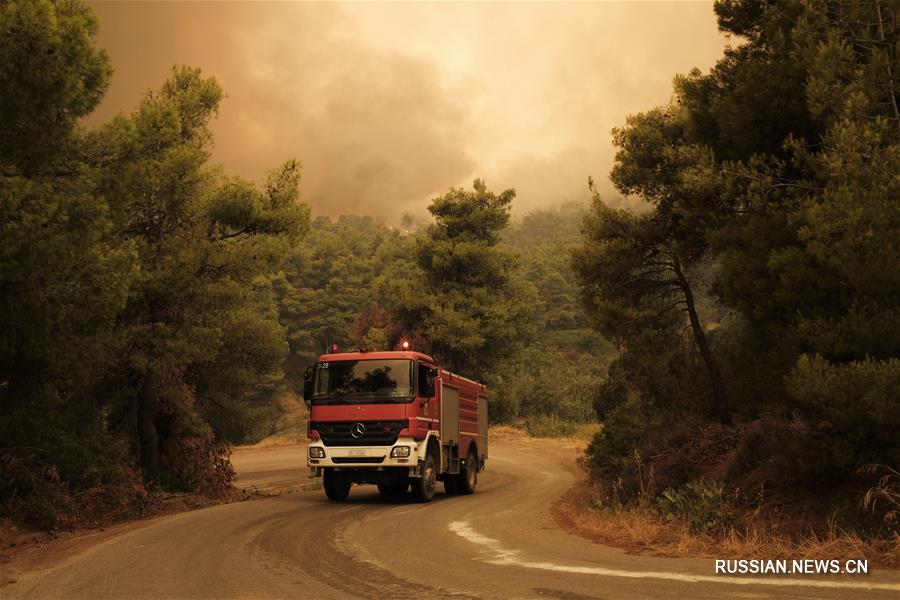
x=26 y=551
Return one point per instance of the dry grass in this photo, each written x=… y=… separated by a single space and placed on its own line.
x=506 y=432
x=641 y=529
x=582 y=432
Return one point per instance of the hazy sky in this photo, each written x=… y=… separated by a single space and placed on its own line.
x=389 y=104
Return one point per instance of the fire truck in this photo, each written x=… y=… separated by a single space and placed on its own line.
x=396 y=420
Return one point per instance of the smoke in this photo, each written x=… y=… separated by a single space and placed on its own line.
x=388 y=105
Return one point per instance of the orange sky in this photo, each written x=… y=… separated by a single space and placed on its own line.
x=389 y=104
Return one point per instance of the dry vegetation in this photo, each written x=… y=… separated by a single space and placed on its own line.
x=642 y=529
x=576 y=432
x=754 y=533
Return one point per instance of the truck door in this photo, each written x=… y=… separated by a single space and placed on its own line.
x=426 y=392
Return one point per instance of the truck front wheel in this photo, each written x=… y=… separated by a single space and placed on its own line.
x=423 y=487
x=337 y=485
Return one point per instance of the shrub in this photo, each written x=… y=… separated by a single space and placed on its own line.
x=541 y=381
x=197 y=463
x=30 y=489
x=549 y=426
x=33 y=492
x=701 y=505
x=612 y=445
x=860 y=399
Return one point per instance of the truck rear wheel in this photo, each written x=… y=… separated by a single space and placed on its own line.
x=337 y=485
x=450 y=487
x=423 y=487
x=466 y=482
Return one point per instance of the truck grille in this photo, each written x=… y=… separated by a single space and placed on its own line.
x=377 y=433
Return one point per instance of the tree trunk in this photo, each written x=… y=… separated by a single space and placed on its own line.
x=146 y=426
x=720 y=395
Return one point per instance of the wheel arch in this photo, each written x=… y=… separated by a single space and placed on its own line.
x=433 y=447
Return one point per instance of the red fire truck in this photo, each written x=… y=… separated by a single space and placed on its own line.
x=396 y=420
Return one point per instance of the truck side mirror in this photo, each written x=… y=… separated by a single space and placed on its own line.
x=308 y=386
x=426 y=382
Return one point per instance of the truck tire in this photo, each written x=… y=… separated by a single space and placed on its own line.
x=337 y=485
x=468 y=479
x=450 y=487
x=393 y=490
x=423 y=487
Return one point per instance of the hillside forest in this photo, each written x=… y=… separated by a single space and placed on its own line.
x=732 y=319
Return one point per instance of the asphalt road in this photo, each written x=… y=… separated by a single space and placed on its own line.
x=501 y=542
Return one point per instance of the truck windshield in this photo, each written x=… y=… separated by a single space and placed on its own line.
x=347 y=381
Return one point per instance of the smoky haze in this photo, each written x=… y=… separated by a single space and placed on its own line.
x=388 y=105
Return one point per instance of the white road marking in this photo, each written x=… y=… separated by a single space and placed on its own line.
x=507 y=557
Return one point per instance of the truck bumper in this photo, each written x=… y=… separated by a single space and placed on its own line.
x=376 y=458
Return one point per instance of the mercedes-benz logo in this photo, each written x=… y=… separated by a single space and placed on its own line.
x=358 y=430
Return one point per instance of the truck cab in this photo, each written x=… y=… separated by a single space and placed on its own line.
x=396 y=420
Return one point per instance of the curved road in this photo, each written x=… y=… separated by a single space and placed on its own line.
x=500 y=542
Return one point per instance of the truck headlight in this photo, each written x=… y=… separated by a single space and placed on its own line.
x=400 y=452
x=316 y=452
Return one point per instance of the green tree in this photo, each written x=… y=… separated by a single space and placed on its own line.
x=809 y=251
x=331 y=279
x=543 y=239
x=201 y=318
x=636 y=270
x=64 y=275
x=467 y=304
x=51 y=74
x=544 y=382
x=775 y=174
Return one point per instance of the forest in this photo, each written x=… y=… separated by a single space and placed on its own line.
x=732 y=320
